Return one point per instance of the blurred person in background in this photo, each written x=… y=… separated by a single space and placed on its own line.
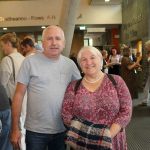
x=5 y=120
x=105 y=61
x=114 y=62
x=27 y=47
x=9 y=68
x=146 y=91
x=128 y=72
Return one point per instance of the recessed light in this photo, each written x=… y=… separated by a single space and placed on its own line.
x=43 y=27
x=82 y=27
x=4 y=28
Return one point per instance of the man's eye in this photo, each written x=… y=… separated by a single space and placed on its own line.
x=92 y=57
x=58 y=38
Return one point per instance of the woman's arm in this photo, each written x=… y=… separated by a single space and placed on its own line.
x=67 y=106
x=123 y=117
x=134 y=65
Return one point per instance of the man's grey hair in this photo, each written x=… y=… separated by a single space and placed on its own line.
x=53 y=27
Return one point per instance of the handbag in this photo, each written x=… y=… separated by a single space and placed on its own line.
x=85 y=135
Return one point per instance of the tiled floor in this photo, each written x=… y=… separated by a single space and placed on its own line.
x=138 y=131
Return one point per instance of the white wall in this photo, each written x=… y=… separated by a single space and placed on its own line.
x=44 y=9
x=100 y=14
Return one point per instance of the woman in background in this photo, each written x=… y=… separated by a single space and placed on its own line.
x=114 y=62
x=128 y=72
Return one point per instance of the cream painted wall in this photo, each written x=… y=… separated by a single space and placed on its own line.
x=100 y=14
x=44 y=9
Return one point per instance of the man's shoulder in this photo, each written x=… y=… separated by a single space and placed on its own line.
x=33 y=57
x=66 y=59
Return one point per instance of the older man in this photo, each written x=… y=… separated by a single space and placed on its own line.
x=45 y=76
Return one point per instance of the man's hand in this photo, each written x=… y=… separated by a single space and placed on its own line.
x=15 y=138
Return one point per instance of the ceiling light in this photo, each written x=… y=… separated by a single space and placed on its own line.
x=96 y=30
x=43 y=27
x=82 y=27
x=107 y=0
x=4 y=28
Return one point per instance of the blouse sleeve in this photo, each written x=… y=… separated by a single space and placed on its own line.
x=68 y=102
x=125 y=111
x=5 y=71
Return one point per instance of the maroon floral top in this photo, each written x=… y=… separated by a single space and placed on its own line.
x=107 y=105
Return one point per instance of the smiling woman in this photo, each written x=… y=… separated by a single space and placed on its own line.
x=95 y=99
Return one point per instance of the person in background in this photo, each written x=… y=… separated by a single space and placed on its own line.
x=146 y=94
x=138 y=57
x=128 y=72
x=5 y=120
x=27 y=47
x=45 y=76
x=114 y=62
x=9 y=69
x=97 y=99
x=9 y=43
x=105 y=59
x=132 y=56
x=73 y=57
x=37 y=46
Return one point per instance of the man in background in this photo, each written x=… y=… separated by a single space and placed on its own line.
x=27 y=47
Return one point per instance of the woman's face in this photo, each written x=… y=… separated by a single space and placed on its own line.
x=5 y=47
x=114 y=51
x=90 y=63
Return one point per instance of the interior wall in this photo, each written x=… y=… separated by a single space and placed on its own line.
x=135 y=25
x=30 y=13
x=77 y=42
x=99 y=14
x=46 y=12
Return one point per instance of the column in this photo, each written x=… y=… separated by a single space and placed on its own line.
x=67 y=21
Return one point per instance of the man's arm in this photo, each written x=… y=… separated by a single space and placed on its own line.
x=16 y=111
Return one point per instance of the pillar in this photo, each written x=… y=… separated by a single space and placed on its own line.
x=67 y=22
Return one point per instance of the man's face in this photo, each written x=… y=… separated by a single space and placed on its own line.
x=53 y=42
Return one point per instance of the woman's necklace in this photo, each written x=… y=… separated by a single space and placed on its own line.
x=92 y=81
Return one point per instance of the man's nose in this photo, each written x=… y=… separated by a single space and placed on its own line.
x=53 y=41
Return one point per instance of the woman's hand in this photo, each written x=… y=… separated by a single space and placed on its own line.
x=114 y=129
